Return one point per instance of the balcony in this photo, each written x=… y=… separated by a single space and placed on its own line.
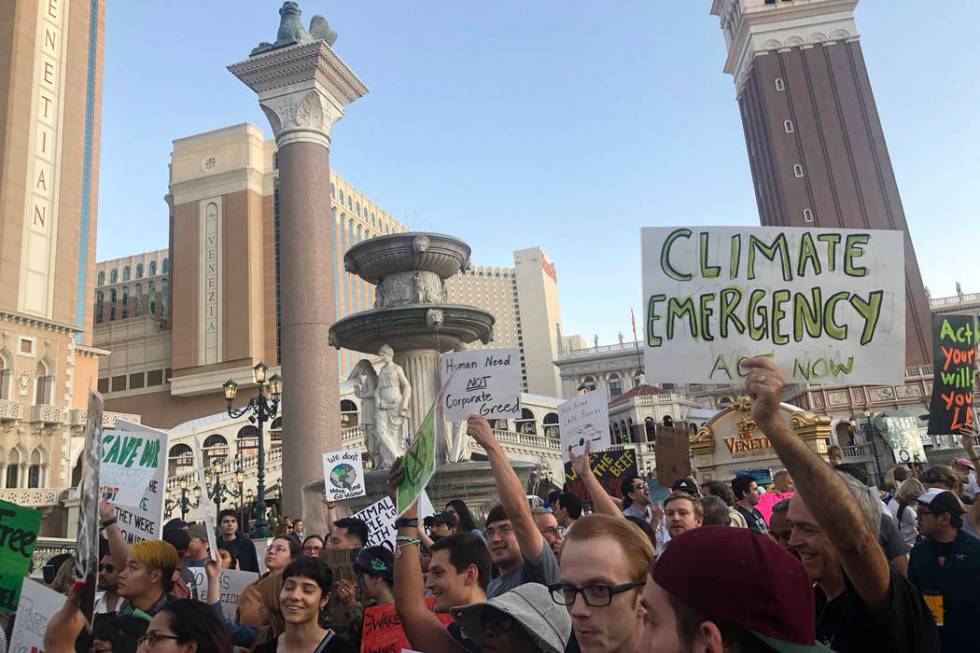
x=37 y=497
x=577 y=354
x=10 y=410
x=48 y=415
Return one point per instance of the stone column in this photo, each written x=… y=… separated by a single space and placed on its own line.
x=421 y=368
x=303 y=90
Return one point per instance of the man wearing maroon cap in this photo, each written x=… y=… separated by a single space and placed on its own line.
x=727 y=589
x=861 y=604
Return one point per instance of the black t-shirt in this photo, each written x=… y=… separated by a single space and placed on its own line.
x=332 y=643
x=952 y=589
x=847 y=626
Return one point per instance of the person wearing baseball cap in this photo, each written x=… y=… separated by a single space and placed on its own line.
x=945 y=566
x=523 y=620
x=196 y=554
x=376 y=567
x=686 y=485
x=727 y=589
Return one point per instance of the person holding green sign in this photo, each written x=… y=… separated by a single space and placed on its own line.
x=18 y=533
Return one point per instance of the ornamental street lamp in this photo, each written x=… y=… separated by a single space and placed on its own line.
x=219 y=489
x=182 y=502
x=261 y=409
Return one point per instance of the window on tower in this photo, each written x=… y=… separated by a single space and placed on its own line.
x=788 y=126
x=798 y=171
x=807 y=215
x=780 y=86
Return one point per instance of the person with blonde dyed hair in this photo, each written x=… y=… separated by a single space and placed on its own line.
x=902 y=507
x=604 y=564
x=145 y=580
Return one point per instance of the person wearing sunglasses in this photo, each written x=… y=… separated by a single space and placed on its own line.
x=183 y=627
x=523 y=620
x=108 y=599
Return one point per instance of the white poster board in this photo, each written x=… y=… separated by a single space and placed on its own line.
x=37 y=604
x=232 y=582
x=584 y=418
x=484 y=382
x=904 y=437
x=380 y=519
x=129 y=460
x=207 y=507
x=144 y=521
x=827 y=305
x=343 y=474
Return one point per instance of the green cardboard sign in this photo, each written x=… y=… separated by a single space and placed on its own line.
x=418 y=464
x=18 y=533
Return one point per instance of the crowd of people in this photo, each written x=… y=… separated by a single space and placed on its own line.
x=817 y=563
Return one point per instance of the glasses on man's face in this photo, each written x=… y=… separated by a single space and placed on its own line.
x=107 y=568
x=595 y=596
x=502 y=531
x=152 y=639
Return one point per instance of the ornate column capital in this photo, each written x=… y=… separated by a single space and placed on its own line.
x=302 y=90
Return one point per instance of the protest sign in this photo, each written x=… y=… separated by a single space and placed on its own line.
x=340 y=563
x=87 y=550
x=207 y=507
x=827 y=305
x=343 y=474
x=419 y=462
x=904 y=436
x=232 y=583
x=483 y=382
x=382 y=631
x=380 y=519
x=144 y=521
x=954 y=341
x=18 y=533
x=128 y=461
x=609 y=467
x=37 y=604
x=581 y=419
x=673 y=455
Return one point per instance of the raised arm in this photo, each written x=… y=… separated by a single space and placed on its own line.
x=331 y=514
x=825 y=493
x=601 y=501
x=424 y=630
x=117 y=544
x=512 y=494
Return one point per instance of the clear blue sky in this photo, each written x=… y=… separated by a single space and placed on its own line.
x=567 y=125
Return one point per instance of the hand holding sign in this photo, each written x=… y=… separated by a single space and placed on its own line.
x=483 y=382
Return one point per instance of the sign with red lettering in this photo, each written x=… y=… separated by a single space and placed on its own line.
x=954 y=339
x=382 y=629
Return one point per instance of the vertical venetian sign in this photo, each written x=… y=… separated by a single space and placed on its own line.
x=210 y=281
x=44 y=159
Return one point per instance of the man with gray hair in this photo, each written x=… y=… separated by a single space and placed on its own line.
x=861 y=603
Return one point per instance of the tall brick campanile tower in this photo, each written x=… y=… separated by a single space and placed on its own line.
x=816 y=146
x=303 y=87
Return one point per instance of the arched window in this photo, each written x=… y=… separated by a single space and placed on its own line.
x=101 y=281
x=650 y=426
x=615 y=385
x=112 y=304
x=139 y=300
x=615 y=431
x=248 y=441
x=550 y=422
x=113 y=275
x=341 y=196
x=125 y=302
x=275 y=432
x=526 y=423
x=99 y=301
x=589 y=383
x=35 y=473
x=638 y=379
x=357 y=208
x=624 y=432
x=126 y=273
x=348 y=414
x=139 y=270
x=333 y=191
x=43 y=384
x=164 y=297
x=350 y=203
x=180 y=459
x=153 y=268
x=13 y=468
x=215 y=447
x=151 y=290
x=165 y=266
x=6 y=372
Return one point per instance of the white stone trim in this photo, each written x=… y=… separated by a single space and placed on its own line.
x=223 y=183
x=210 y=291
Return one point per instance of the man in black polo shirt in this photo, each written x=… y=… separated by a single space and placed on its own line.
x=946 y=567
x=861 y=604
x=746 y=497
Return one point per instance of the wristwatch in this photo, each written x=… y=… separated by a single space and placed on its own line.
x=406 y=523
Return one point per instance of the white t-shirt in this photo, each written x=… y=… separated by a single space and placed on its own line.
x=907 y=524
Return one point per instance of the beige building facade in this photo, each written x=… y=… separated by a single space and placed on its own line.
x=50 y=115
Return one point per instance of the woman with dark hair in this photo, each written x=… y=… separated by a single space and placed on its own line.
x=312 y=546
x=464 y=518
x=228 y=556
x=183 y=626
x=306 y=587
x=281 y=551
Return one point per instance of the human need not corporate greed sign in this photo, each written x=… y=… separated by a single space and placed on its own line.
x=827 y=305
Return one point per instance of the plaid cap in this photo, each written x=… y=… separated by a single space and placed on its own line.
x=940 y=501
x=745 y=579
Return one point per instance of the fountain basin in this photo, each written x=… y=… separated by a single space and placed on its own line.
x=378 y=257
x=412 y=327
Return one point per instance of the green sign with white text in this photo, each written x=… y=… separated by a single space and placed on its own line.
x=18 y=533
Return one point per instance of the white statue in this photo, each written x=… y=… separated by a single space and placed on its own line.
x=391 y=401
x=367 y=383
x=454 y=445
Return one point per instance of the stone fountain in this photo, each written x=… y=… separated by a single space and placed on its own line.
x=411 y=323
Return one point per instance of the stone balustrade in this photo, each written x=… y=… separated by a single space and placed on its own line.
x=34 y=497
x=48 y=547
x=48 y=414
x=10 y=410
